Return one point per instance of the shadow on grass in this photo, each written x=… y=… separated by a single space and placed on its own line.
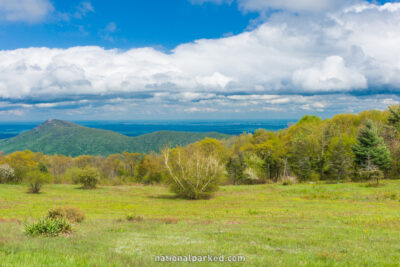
x=86 y=188
x=177 y=197
x=35 y=193
x=165 y=196
x=374 y=185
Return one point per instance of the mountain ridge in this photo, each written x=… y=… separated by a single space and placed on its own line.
x=68 y=138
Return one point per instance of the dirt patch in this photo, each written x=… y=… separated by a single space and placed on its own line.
x=233 y=222
x=8 y=220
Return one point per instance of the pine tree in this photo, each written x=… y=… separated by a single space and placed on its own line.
x=370 y=152
x=394 y=117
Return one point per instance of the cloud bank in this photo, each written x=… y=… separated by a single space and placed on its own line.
x=291 y=61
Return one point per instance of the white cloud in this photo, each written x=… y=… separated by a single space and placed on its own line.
x=332 y=74
x=294 y=5
x=25 y=10
x=196 y=109
x=288 y=5
x=353 y=49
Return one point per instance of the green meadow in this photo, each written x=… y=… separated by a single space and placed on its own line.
x=298 y=225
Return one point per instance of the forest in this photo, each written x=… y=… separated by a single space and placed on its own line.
x=347 y=147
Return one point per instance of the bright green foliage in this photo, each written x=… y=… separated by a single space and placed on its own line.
x=340 y=157
x=394 y=116
x=254 y=172
x=36 y=179
x=130 y=161
x=149 y=170
x=312 y=149
x=22 y=162
x=72 y=175
x=370 y=149
x=307 y=156
x=309 y=119
x=71 y=214
x=48 y=227
x=89 y=177
x=193 y=173
x=43 y=168
x=235 y=168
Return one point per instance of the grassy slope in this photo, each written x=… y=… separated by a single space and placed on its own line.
x=59 y=137
x=272 y=225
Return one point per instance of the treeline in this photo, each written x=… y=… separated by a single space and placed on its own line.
x=347 y=147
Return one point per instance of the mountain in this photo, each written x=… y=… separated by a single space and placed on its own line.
x=71 y=139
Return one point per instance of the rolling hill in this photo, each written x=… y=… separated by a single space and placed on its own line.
x=67 y=138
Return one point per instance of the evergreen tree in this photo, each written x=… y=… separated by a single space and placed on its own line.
x=370 y=152
x=394 y=117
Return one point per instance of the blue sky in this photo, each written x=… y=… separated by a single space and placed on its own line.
x=196 y=59
x=157 y=23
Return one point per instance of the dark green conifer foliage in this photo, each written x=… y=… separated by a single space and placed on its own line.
x=370 y=152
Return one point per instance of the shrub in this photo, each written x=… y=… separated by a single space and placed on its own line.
x=288 y=180
x=71 y=214
x=48 y=227
x=89 y=177
x=134 y=218
x=72 y=175
x=6 y=174
x=36 y=179
x=374 y=174
x=193 y=173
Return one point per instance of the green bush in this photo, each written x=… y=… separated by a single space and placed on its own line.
x=193 y=174
x=71 y=214
x=48 y=227
x=36 y=179
x=89 y=177
x=134 y=218
x=72 y=175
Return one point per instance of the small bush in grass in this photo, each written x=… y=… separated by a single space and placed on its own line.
x=48 y=227
x=134 y=218
x=288 y=180
x=89 y=177
x=36 y=179
x=71 y=214
x=193 y=173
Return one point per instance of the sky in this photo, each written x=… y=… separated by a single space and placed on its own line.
x=196 y=59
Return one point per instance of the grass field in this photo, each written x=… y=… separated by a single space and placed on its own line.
x=271 y=225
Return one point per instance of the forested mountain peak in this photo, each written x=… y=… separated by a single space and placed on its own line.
x=71 y=139
x=56 y=123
